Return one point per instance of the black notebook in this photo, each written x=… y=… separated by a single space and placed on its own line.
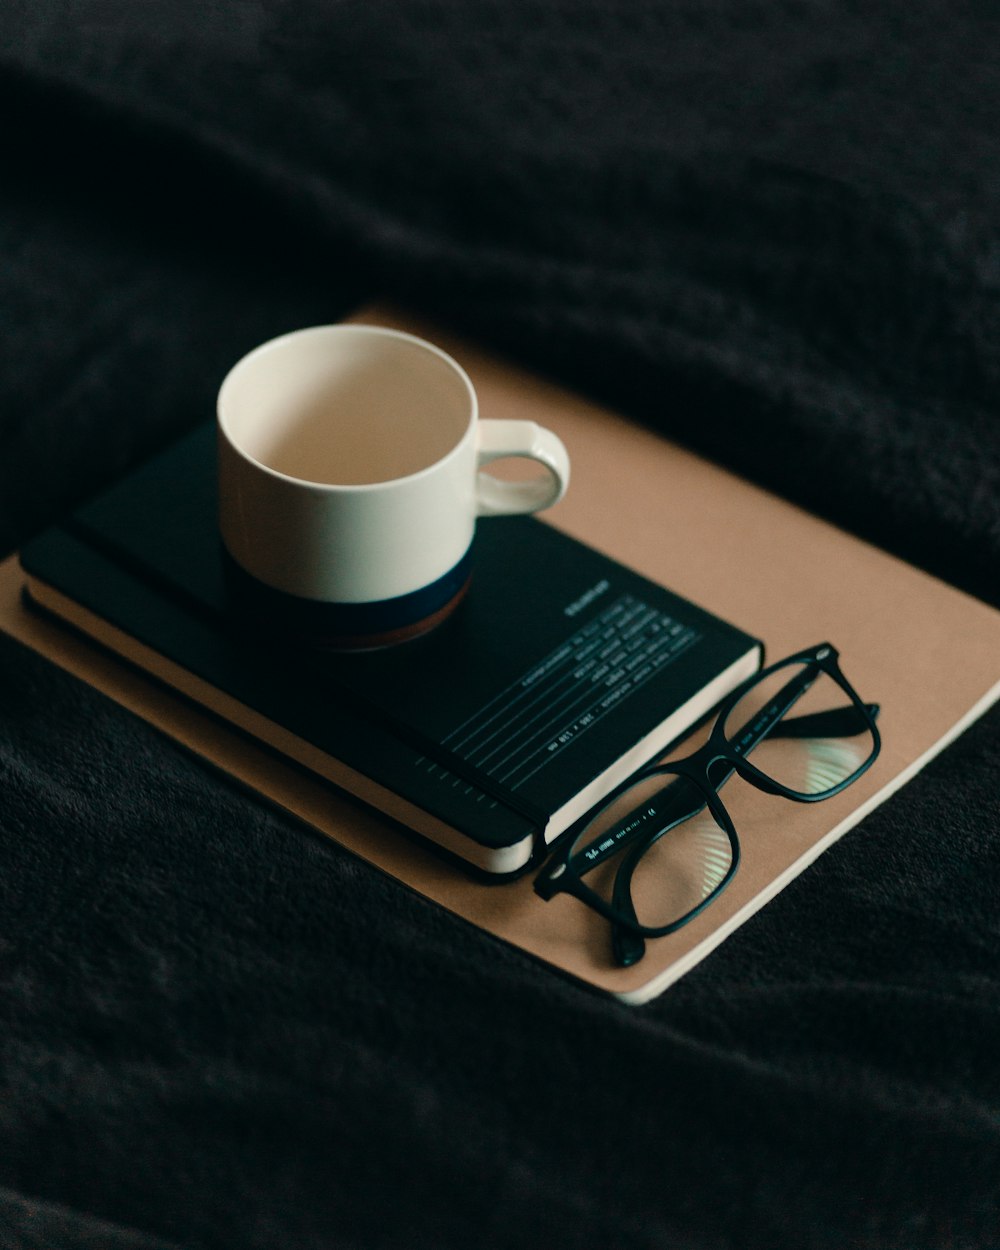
x=559 y=674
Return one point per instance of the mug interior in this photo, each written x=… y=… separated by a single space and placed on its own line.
x=346 y=405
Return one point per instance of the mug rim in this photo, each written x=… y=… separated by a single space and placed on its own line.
x=337 y=330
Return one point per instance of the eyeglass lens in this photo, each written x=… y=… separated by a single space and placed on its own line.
x=659 y=842
x=822 y=739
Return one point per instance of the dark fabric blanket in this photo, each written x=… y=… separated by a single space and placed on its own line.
x=772 y=230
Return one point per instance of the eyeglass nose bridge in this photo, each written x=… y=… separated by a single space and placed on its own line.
x=711 y=766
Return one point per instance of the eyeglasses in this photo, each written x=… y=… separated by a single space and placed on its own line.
x=662 y=846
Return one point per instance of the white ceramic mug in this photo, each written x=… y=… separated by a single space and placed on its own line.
x=350 y=483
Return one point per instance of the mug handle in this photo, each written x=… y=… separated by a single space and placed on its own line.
x=499 y=440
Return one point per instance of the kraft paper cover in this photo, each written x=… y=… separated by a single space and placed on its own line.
x=927 y=653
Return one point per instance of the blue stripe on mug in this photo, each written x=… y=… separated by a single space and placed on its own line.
x=346 y=626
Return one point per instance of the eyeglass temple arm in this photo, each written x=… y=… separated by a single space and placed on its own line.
x=841 y=722
x=629 y=947
x=835 y=721
x=743 y=741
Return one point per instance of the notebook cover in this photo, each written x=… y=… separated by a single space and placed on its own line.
x=558 y=661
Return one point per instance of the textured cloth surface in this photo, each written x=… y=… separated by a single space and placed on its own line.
x=769 y=230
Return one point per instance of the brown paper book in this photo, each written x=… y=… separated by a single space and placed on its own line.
x=928 y=654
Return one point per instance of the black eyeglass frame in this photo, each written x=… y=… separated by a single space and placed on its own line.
x=560 y=873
